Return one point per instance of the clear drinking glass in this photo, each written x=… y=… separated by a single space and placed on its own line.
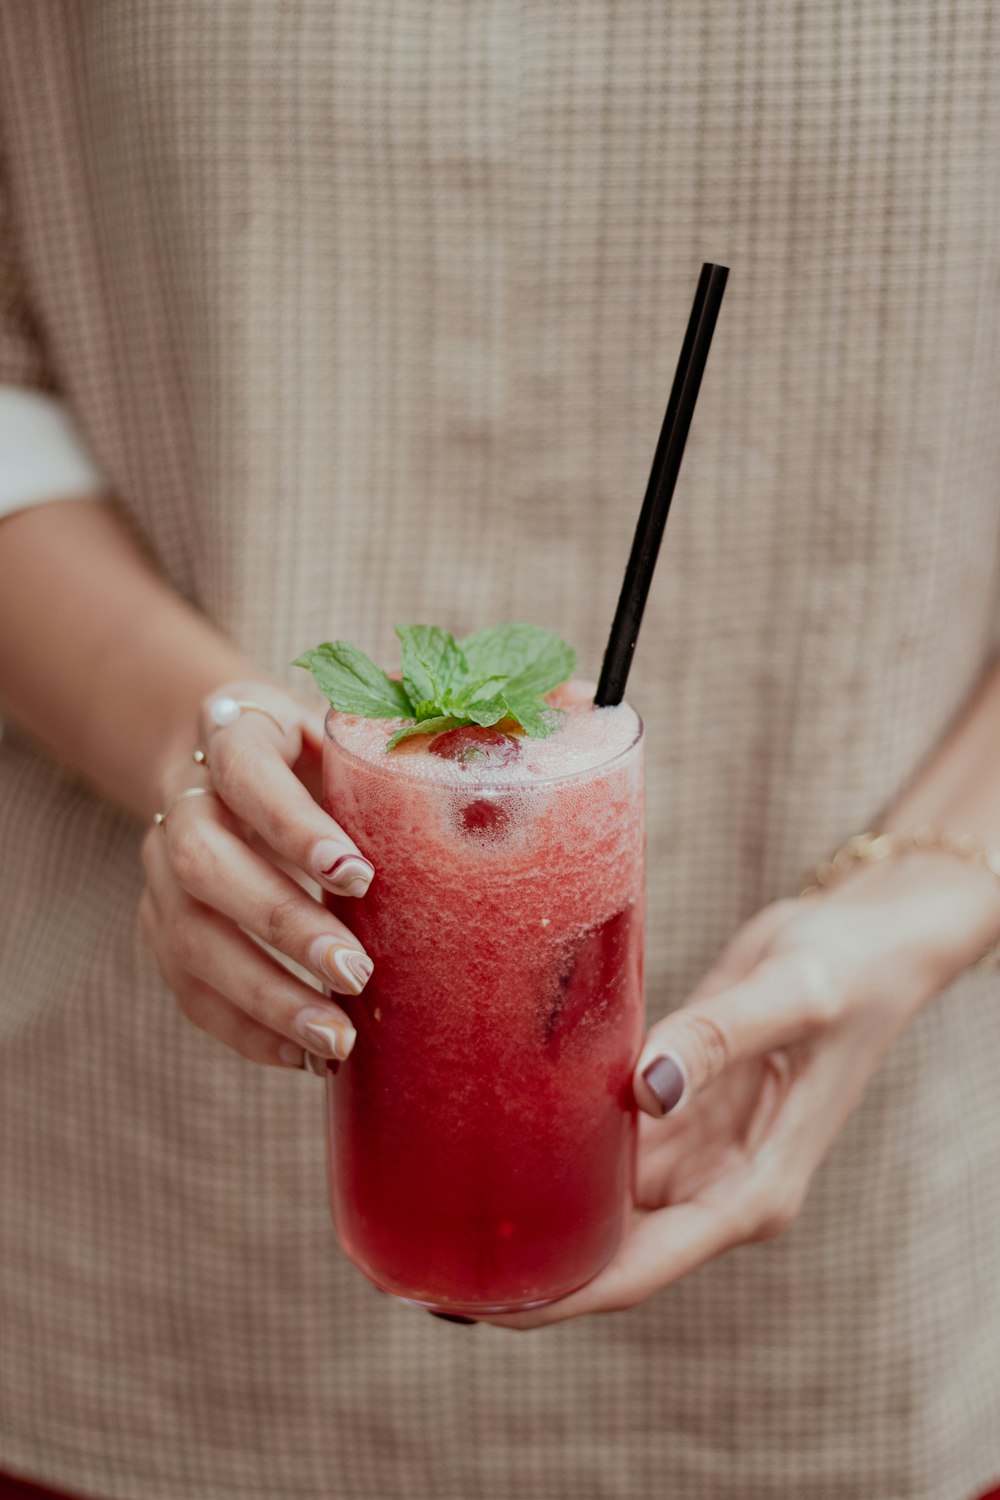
x=481 y=1136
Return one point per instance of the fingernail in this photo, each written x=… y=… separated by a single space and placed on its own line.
x=322 y=1034
x=450 y=1317
x=291 y=1056
x=318 y=1066
x=665 y=1077
x=347 y=968
x=347 y=874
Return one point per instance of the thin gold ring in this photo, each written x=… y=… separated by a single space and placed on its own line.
x=192 y=791
x=226 y=710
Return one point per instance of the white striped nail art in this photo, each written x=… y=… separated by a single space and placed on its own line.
x=347 y=968
x=328 y=1038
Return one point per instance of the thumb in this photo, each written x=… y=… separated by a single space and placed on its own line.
x=313 y=730
x=787 y=999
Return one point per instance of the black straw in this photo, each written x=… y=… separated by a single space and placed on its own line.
x=660 y=489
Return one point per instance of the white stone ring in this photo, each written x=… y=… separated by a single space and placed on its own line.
x=225 y=711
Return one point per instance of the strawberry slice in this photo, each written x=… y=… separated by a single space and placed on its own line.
x=593 y=977
x=472 y=745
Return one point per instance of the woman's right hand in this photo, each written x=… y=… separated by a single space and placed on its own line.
x=217 y=878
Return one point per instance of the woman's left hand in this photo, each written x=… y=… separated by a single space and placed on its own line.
x=768 y=1058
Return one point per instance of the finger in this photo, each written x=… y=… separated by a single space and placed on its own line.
x=825 y=1093
x=790 y=998
x=800 y=1112
x=755 y=1202
x=746 y=948
x=214 y=1014
x=309 y=766
x=810 y=1099
x=825 y=1087
x=202 y=943
x=250 y=761
x=679 y=1154
x=658 y=1250
x=221 y=1019
x=313 y=732
x=218 y=869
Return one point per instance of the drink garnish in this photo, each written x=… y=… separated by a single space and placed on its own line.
x=474 y=746
x=502 y=672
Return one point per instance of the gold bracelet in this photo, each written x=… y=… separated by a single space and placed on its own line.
x=871 y=848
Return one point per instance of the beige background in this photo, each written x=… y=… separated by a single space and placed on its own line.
x=370 y=312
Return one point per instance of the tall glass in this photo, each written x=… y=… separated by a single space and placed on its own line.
x=481 y=1135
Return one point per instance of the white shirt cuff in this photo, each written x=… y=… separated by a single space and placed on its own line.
x=42 y=455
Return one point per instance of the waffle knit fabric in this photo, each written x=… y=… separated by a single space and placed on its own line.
x=369 y=312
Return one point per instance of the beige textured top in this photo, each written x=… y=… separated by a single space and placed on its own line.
x=369 y=312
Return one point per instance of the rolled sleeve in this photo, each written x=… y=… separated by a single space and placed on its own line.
x=42 y=454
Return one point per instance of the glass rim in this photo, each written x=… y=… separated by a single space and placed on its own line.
x=484 y=786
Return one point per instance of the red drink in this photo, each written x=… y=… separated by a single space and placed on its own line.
x=482 y=1133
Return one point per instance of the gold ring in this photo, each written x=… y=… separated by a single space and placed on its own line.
x=192 y=791
x=225 y=711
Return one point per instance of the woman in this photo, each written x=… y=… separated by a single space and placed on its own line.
x=367 y=313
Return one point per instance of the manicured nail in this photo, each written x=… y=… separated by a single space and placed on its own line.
x=665 y=1077
x=346 y=874
x=291 y=1056
x=319 y=1067
x=347 y=968
x=324 y=1035
x=451 y=1317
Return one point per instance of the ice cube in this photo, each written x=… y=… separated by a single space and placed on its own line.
x=593 y=976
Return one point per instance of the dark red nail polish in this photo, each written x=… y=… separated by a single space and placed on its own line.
x=665 y=1078
x=450 y=1317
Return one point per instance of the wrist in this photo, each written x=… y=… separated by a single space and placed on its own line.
x=940 y=913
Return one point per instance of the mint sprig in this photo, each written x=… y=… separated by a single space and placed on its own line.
x=500 y=673
x=353 y=683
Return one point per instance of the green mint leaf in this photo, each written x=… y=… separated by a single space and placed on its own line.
x=503 y=672
x=472 y=693
x=553 y=663
x=353 y=683
x=427 y=710
x=487 y=711
x=433 y=664
x=426 y=726
x=537 y=660
x=534 y=715
x=500 y=650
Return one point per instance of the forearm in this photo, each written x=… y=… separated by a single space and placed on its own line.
x=960 y=786
x=99 y=659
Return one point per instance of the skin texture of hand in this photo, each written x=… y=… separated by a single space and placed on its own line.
x=106 y=666
x=775 y=1048
x=225 y=876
